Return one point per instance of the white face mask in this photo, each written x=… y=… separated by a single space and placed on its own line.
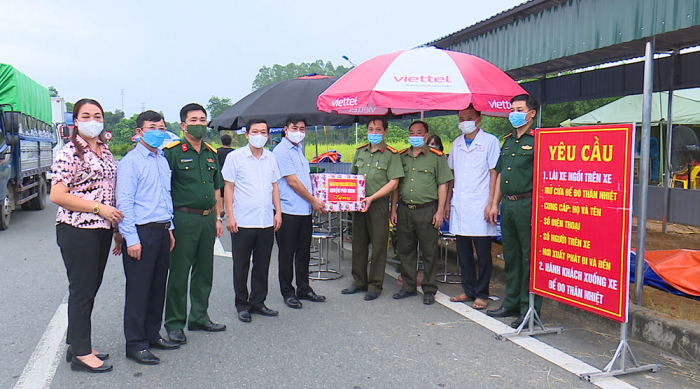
x=296 y=136
x=467 y=126
x=257 y=140
x=90 y=129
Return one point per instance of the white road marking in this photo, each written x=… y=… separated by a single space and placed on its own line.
x=219 y=249
x=41 y=368
x=535 y=346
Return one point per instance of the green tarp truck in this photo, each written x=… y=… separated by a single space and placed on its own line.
x=26 y=143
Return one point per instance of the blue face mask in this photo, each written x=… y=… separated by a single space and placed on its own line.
x=154 y=138
x=416 y=141
x=375 y=139
x=517 y=119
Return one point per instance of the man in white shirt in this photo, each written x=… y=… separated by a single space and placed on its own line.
x=251 y=190
x=473 y=158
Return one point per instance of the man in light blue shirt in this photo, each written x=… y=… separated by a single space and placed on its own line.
x=294 y=237
x=143 y=196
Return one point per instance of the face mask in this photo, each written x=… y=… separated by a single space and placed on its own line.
x=416 y=141
x=375 y=139
x=296 y=136
x=196 y=130
x=517 y=119
x=90 y=129
x=467 y=126
x=257 y=141
x=154 y=138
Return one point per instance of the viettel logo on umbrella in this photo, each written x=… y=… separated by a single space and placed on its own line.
x=344 y=102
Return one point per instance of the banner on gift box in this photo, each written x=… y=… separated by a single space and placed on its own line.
x=339 y=192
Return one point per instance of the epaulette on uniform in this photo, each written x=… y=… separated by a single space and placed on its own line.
x=532 y=132
x=403 y=151
x=436 y=151
x=393 y=150
x=508 y=135
x=172 y=144
x=210 y=147
x=361 y=146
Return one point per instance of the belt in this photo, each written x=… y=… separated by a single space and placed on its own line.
x=518 y=196
x=418 y=206
x=160 y=226
x=203 y=212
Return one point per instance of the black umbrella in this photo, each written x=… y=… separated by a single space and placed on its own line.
x=275 y=102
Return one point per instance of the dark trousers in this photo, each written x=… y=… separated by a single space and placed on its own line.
x=371 y=227
x=415 y=226
x=145 y=288
x=473 y=286
x=294 y=245
x=85 y=252
x=258 y=242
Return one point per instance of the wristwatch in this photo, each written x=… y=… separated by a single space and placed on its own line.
x=219 y=218
x=96 y=208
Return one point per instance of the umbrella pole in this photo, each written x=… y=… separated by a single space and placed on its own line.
x=316 y=143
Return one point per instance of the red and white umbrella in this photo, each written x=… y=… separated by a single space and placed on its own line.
x=422 y=79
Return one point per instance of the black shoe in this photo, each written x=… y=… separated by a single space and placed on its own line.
x=77 y=365
x=69 y=355
x=263 y=310
x=177 y=336
x=371 y=295
x=165 y=344
x=352 y=290
x=293 y=302
x=403 y=294
x=311 y=296
x=143 y=357
x=244 y=316
x=429 y=298
x=502 y=312
x=208 y=326
x=518 y=321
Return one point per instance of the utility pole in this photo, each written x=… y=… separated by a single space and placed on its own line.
x=122 y=100
x=143 y=106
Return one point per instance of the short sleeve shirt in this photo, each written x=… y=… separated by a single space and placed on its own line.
x=516 y=163
x=291 y=160
x=252 y=191
x=422 y=175
x=90 y=178
x=195 y=176
x=378 y=167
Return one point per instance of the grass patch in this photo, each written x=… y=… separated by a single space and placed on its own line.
x=347 y=151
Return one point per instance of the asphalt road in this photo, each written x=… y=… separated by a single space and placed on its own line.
x=342 y=343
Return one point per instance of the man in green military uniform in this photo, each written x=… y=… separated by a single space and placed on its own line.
x=514 y=185
x=381 y=166
x=422 y=190
x=196 y=180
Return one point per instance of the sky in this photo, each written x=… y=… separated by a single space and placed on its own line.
x=165 y=54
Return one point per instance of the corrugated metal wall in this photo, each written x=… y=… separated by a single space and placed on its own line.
x=579 y=26
x=684 y=207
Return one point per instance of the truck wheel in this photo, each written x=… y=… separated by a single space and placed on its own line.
x=5 y=211
x=38 y=203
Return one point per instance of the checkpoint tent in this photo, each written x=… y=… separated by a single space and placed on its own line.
x=686 y=110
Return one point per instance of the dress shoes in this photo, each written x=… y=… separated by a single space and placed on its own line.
x=352 y=290
x=371 y=295
x=69 y=355
x=208 y=326
x=429 y=298
x=143 y=357
x=518 y=321
x=293 y=302
x=165 y=344
x=502 y=312
x=78 y=365
x=403 y=294
x=177 y=336
x=244 y=316
x=263 y=310
x=311 y=296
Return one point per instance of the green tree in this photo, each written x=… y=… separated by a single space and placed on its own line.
x=268 y=75
x=217 y=105
x=53 y=91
